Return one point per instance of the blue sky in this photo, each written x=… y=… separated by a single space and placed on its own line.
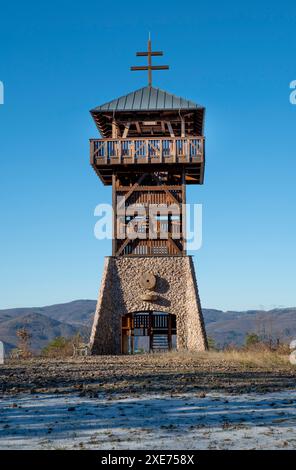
x=59 y=59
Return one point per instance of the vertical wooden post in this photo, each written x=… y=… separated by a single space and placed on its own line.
x=150 y=331
x=182 y=127
x=175 y=150
x=114 y=224
x=169 y=225
x=119 y=151
x=121 y=335
x=106 y=152
x=114 y=129
x=132 y=151
x=92 y=151
x=183 y=213
x=169 y=332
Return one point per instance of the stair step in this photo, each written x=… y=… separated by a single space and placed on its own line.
x=160 y=342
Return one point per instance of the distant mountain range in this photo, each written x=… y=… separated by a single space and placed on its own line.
x=232 y=327
x=46 y=323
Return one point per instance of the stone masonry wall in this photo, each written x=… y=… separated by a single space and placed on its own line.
x=121 y=292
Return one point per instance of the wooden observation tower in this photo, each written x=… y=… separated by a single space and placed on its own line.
x=152 y=146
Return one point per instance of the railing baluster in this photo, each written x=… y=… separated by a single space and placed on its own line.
x=105 y=152
x=132 y=150
x=174 y=151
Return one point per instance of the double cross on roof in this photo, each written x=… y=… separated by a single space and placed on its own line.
x=150 y=67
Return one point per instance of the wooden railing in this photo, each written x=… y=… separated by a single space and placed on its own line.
x=147 y=150
x=152 y=248
x=162 y=229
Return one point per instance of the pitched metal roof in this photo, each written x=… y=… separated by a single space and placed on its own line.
x=147 y=98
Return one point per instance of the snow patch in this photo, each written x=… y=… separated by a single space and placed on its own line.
x=217 y=421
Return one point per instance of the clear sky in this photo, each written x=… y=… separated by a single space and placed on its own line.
x=59 y=59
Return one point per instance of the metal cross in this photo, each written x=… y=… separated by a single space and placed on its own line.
x=150 y=67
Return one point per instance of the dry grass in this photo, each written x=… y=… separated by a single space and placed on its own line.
x=244 y=359
x=265 y=359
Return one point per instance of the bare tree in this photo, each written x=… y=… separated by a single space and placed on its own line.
x=24 y=342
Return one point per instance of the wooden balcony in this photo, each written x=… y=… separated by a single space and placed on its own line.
x=159 y=150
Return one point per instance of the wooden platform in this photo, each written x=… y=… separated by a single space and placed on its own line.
x=109 y=155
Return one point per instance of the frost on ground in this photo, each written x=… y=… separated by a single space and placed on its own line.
x=185 y=421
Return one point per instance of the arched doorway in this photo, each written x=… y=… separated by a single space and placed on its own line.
x=151 y=331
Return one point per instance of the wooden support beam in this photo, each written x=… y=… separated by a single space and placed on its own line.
x=151 y=188
x=122 y=247
x=114 y=228
x=138 y=127
x=126 y=129
x=174 y=245
x=183 y=215
x=170 y=129
x=171 y=196
x=182 y=127
x=115 y=130
x=132 y=189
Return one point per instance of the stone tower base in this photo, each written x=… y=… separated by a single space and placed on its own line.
x=121 y=292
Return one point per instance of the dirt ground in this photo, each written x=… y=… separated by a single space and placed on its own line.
x=171 y=373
